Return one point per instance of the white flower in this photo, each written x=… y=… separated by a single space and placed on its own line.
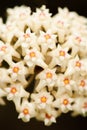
x=80 y=106
x=63 y=102
x=48 y=116
x=47 y=77
x=42 y=13
x=18 y=72
x=81 y=86
x=65 y=84
x=49 y=119
x=33 y=57
x=26 y=111
x=20 y=16
x=42 y=99
x=18 y=12
x=61 y=24
x=15 y=91
x=6 y=52
x=13 y=32
x=75 y=66
x=26 y=40
x=76 y=43
x=40 y=18
x=47 y=40
x=59 y=56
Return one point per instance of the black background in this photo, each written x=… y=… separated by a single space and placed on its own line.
x=79 y=6
x=8 y=115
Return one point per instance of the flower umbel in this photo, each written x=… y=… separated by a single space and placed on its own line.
x=43 y=63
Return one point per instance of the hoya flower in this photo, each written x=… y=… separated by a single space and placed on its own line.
x=18 y=13
x=47 y=77
x=14 y=32
x=64 y=103
x=59 y=56
x=26 y=40
x=5 y=54
x=42 y=100
x=49 y=119
x=46 y=55
x=33 y=57
x=15 y=91
x=43 y=13
x=63 y=12
x=47 y=40
x=43 y=18
x=80 y=106
x=19 y=16
x=83 y=83
x=27 y=111
x=48 y=116
x=81 y=86
x=18 y=72
x=76 y=65
x=76 y=44
x=61 y=28
x=65 y=84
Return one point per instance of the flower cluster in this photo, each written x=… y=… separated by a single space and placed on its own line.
x=43 y=63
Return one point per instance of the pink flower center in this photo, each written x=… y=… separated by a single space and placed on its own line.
x=13 y=90
x=78 y=64
x=47 y=36
x=3 y=48
x=62 y=53
x=66 y=81
x=15 y=69
x=78 y=39
x=26 y=111
x=48 y=116
x=32 y=54
x=82 y=83
x=43 y=99
x=26 y=35
x=65 y=102
x=85 y=105
x=49 y=75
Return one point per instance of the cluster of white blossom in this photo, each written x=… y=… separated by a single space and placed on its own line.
x=43 y=63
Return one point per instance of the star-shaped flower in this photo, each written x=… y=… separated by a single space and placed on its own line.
x=64 y=103
x=6 y=52
x=26 y=40
x=59 y=56
x=18 y=72
x=42 y=100
x=34 y=57
x=76 y=65
x=26 y=111
x=47 y=77
x=15 y=91
x=47 y=40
